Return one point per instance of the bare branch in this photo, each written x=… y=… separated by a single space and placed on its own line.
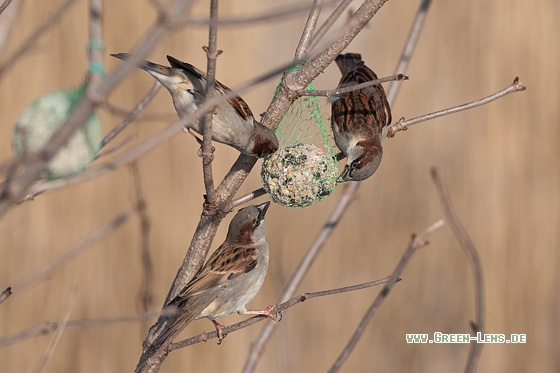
x=248 y=197
x=5 y=294
x=410 y=45
x=470 y=251
x=416 y=242
x=5 y=5
x=49 y=327
x=117 y=111
x=355 y=87
x=280 y=308
x=72 y=252
x=132 y=115
x=272 y=15
x=331 y=19
x=32 y=39
x=308 y=30
x=207 y=152
x=146 y=293
x=403 y=124
x=59 y=329
x=8 y=19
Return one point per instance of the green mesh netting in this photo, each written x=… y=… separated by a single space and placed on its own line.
x=304 y=170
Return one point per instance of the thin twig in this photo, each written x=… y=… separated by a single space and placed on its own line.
x=248 y=197
x=410 y=45
x=72 y=252
x=96 y=48
x=114 y=148
x=403 y=124
x=60 y=328
x=470 y=251
x=32 y=39
x=5 y=294
x=308 y=30
x=131 y=116
x=49 y=327
x=211 y=56
x=279 y=308
x=271 y=15
x=6 y=25
x=4 y=5
x=146 y=288
x=350 y=88
x=117 y=111
x=416 y=242
x=331 y=19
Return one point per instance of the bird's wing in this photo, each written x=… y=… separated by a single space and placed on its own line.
x=235 y=100
x=224 y=264
x=362 y=74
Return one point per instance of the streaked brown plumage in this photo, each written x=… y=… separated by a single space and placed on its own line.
x=233 y=123
x=358 y=118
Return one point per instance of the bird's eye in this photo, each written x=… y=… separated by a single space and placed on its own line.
x=354 y=164
x=256 y=222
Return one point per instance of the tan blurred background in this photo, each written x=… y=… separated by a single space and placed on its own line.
x=499 y=161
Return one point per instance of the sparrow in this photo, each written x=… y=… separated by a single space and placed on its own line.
x=235 y=272
x=358 y=118
x=233 y=123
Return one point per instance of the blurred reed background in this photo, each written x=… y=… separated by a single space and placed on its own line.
x=499 y=162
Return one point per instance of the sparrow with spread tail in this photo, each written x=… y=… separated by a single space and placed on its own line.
x=358 y=118
x=235 y=272
x=233 y=122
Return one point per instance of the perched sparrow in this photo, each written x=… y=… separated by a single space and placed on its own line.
x=235 y=271
x=358 y=118
x=233 y=123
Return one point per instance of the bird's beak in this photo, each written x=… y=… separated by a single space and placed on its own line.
x=345 y=175
x=262 y=209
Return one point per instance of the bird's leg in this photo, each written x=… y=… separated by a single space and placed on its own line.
x=219 y=327
x=199 y=141
x=269 y=312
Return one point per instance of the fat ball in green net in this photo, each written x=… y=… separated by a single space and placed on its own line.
x=42 y=118
x=304 y=170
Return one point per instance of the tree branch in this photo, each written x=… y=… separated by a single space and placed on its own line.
x=72 y=252
x=416 y=242
x=32 y=39
x=279 y=308
x=61 y=326
x=132 y=115
x=470 y=251
x=308 y=30
x=350 y=88
x=207 y=152
x=403 y=124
